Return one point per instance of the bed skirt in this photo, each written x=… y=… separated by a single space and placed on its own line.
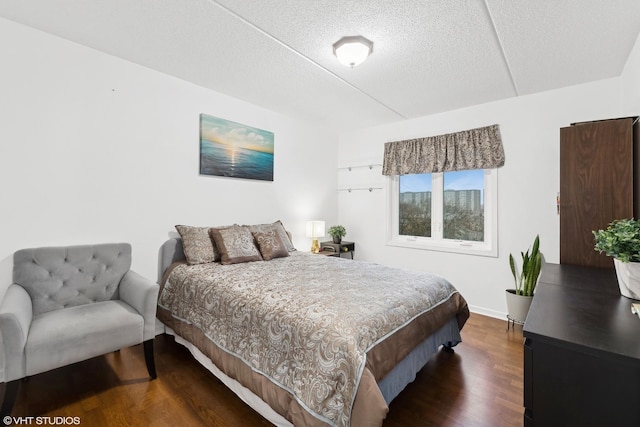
x=371 y=404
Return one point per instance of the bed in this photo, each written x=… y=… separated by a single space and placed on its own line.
x=303 y=339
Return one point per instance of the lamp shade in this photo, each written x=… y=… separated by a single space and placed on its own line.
x=352 y=50
x=315 y=229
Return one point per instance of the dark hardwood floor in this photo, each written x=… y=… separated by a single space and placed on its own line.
x=478 y=385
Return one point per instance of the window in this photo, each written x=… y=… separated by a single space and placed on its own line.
x=449 y=211
x=443 y=191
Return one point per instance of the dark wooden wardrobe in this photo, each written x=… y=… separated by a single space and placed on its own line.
x=599 y=176
x=581 y=353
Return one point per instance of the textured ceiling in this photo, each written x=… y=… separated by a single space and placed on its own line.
x=429 y=56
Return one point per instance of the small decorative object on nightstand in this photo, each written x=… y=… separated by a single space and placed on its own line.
x=337 y=232
x=337 y=249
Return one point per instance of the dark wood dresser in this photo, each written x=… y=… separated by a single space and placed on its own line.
x=582 y=351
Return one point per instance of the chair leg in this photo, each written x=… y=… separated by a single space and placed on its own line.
x=10 y=394
x=148 y=357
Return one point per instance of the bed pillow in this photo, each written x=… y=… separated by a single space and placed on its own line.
x=236 y=245
x=270 y=245
x=279 y=227
x=197 y=245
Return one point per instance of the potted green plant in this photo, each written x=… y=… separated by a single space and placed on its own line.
x=519 y=299
x=621 y=240
x=337 y=232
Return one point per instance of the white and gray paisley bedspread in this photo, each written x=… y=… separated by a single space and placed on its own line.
x=305 y=321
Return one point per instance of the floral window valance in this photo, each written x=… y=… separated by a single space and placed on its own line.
x=479 y=148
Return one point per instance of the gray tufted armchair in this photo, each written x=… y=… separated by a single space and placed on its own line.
x=69 y=304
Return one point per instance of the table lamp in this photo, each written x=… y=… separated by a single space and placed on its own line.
x=315 y=229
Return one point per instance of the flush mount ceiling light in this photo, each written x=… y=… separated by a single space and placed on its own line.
x=352 y=50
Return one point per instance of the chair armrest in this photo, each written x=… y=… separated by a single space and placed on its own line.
x=141 y=294
x=16 y=313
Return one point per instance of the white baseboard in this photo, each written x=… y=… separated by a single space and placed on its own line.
x=487 y=312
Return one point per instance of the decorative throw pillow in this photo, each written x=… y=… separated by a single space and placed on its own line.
x=279 y=227
x=270 y=245
x=235 y=244
x=197 y=244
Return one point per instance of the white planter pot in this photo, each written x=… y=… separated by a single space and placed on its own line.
x=517 y=306
x=628 y=278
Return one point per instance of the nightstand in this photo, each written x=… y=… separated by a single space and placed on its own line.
x=337 y=249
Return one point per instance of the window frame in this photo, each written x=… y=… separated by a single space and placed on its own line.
x=489 y=247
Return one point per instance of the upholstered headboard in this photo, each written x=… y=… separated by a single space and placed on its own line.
x=170 y=252
x=59 y=277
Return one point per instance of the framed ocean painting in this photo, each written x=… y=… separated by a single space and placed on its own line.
x=235 y=150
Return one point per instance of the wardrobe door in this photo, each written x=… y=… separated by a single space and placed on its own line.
x=596 y=185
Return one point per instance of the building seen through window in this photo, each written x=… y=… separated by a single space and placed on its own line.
x=452 y=201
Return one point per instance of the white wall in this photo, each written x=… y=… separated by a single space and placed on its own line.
x=97 y=149
x=528 y=184
x=630 y=82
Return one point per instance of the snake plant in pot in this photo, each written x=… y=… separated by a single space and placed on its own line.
x=519 y=299
x=621 y=240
